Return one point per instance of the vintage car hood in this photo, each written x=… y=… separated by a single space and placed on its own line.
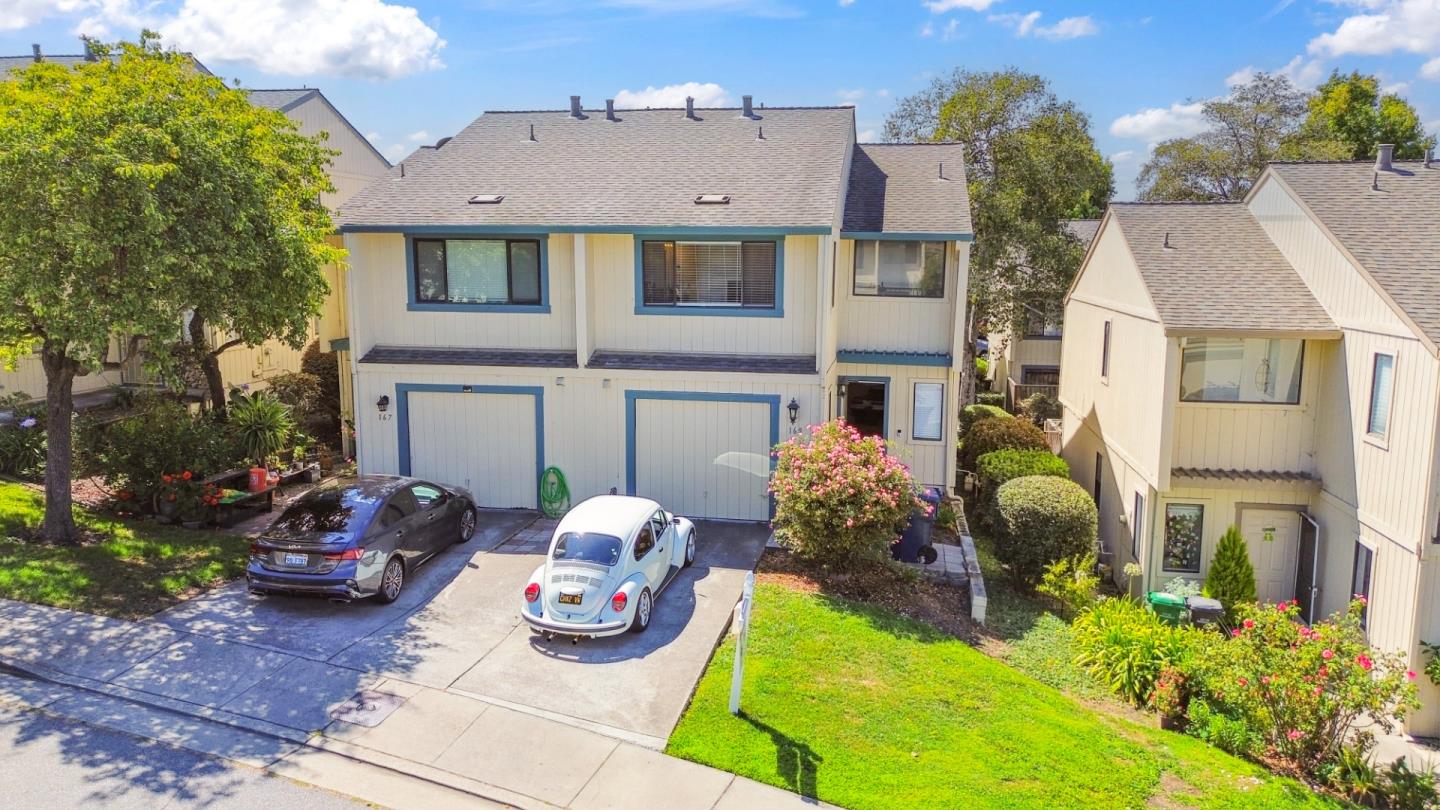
x=593 y=584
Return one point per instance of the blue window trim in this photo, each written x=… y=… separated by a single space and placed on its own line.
x=914 y=386
x=631 y=397
x=536 y=230
x=414 y=304
x=870 y=378
x=402 y=416
x=778 y=311
x=883 y=358
x=932 y=236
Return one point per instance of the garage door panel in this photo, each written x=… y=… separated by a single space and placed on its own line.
x=484 y=442
x=704 y=458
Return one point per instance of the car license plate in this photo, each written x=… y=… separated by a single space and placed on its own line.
x=570 y=598
x=297 y=559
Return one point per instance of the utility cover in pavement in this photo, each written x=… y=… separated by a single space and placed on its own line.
x=367 y=708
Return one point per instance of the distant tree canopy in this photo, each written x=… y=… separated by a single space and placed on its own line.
x=1267 y=118
x=1030 y=164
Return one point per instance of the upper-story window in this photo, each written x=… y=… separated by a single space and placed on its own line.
x=1241 y=370
x=1382 y=384
x=899 y=268
x=478 y=271
x=1039 y=325
x=709 y=273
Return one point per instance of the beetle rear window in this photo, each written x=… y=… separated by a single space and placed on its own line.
x=601 y=549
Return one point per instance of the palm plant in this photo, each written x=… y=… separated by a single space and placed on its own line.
x=262 y=424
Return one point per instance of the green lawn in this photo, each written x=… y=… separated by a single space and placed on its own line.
x=865 y=709
x=128 y=569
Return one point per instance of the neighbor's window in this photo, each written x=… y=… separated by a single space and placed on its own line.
x=1105 y=354
x=709 y=274
x=929 y=411
x=1241 y=370
x=477 y=271
x=1360 y=577
x=1040 y=325
x=902 y=269
x=1138 y=521
x=1382 y=383
x=1184 y=523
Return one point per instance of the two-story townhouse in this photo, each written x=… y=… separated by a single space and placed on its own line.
x=649 y=300
x=1028 y=363
x=1271 y=364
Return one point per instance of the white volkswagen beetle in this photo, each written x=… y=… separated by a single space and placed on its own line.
x=609 y=558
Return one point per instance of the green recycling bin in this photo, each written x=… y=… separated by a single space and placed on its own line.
x=1169 y=607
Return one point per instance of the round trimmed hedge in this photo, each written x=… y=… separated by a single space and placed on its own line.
x=1042 y=518
x=989 y=435
x=972 y=414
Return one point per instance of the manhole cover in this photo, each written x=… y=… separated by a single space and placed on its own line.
x=367 y=708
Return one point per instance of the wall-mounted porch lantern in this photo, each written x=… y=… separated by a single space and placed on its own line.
x=383 y=403
x=794 y=409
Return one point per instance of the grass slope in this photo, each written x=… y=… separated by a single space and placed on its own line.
x=865 y=709
x=129 y=570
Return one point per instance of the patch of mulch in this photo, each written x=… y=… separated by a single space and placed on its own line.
x=898 y=589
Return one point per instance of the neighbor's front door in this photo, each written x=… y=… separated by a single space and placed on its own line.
x=1272 y=537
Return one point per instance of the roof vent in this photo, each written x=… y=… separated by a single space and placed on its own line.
x=690 y=108
x=1167 y=245
x=1384 y=156
x=1430 y=157
x=35 y=49
x=610 y=110
x=713 y=199
x=487 y=199
x=575 y=107
x=1375 y=181
x=440 y=143
x=747 y=107
x=941 y=175
x=760 y=134
x=531 y=139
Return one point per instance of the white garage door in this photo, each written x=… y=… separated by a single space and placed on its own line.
x=703 y=458
x=483 y=442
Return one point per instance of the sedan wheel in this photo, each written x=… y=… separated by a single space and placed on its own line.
x=467 y=524
x=690 y=549
x=391 y=581
x=642 y=612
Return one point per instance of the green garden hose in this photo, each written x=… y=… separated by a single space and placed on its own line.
x=554 y=493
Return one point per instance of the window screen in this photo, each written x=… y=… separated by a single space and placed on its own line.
x=899 y=268
x=709 y=274
x=478 y=271
x=929 y=411
x=1382 y=384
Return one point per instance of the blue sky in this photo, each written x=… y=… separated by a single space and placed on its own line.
x=411 y=71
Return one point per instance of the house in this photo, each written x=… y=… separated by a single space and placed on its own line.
x=1271 y=364
x=649 y=300
x=1029 y=363
x=357 y=164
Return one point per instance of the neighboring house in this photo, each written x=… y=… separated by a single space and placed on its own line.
x=1271 y=364
x=1029 y=363
x=650 y=300
x=357 y=164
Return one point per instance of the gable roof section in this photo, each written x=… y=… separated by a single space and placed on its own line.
x=9 y=63
x=899 y=189
x=1083 y=229
x=1394 y=233
x=1220 y=272
x=642 y=171
x=282 y=100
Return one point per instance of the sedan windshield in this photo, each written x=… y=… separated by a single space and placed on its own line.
x=341 y=509
x=601 y=549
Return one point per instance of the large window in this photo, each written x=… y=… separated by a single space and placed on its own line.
x=928 y=411
x=1382 y=384
x=1184 y=526
x=709 y=274
x=1040 y=325
x=1241 y=370
x=901 y=269
x=478 y=271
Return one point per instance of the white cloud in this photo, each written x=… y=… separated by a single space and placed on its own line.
x=851 y=96
x=883 y=93
x=845 y=3
x=752 y=8
x=1161 y=123
x=952 y=30
x=1431 y=70
x=1397 y=88
x=1303 y=73
x=1383 y=26
x=927 y=30
x=1028 y=25
x=1123 y=156
x=19 y=14
x=942 y=6
x=418 y=137
x=396 y=151
x=867 y=136
x=707 y=94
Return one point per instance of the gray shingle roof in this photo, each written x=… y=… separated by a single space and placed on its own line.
x=643 y=170
x=696 y=361
x=1083 y=229
x=281 y=100
x=1394 y=233
x=898 y=188
x=1220 y=271
x=434 y=356
x=8 y=63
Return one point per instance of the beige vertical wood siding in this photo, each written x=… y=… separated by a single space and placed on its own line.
x=704 y=458
x=897 y=324
x=356 y=166
x=29 y=378
x=1033 y=352
x=931 y=463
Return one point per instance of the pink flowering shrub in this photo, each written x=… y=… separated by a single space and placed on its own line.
x=839 y=498
x=1301 y=690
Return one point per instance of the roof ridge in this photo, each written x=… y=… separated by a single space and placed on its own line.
x=1353 y=162
x=756 y=109
x=910 y=143
x=1142 y=203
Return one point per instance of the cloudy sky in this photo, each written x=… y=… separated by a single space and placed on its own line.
x=412 y=71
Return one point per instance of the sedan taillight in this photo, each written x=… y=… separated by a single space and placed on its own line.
x=532 y=592
x=257 y=550
x=347 y=554
x=618 y=601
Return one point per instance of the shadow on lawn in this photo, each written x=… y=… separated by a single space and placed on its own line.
x=796 y=762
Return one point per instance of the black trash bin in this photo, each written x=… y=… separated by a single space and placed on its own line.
x=914 y=545
x=1204 y=610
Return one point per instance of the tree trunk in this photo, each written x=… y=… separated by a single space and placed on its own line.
x=209 y=365
x=59 y=525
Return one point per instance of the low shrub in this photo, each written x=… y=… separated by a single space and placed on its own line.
x=325 y=367
x=1071 y=583
x=1041 y=519
x=996 y=398
x=1038 y=407
x=1127 y=647
x=989 y=435
x=994 y=469
x=971 y=414
x=1230 y=734
x=299 y=391
x=982 y=368
x=840 y=499
x=1182 y=587
x=158 y=436
x=22 y=437
x=1231 y=578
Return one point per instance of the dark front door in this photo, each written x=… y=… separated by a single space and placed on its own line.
x=865 y=407
x=1306 y=570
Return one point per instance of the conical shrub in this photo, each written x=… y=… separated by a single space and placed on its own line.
x=1232 y=578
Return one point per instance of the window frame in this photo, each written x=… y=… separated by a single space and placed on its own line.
x=425 y=506
x=638 y=553
x=855 y=265
x=1381 y=439
x=1033 y=315
x=1138 y=519
x=412 y=273
x=776 y=311
x=914 y=420
x=1361 y=547
x=1105 y=354
x=1165 y=539
x=1299 y=383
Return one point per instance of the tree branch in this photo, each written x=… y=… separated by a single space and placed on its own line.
x=229 y=344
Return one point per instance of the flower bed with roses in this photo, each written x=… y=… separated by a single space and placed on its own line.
x=840 y=499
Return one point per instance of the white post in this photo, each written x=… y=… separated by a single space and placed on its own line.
x=747 y=598
x=581 y=261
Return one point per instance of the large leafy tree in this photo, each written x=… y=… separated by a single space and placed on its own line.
x=138 y=189
x=1030 y=165
x=1351 y=110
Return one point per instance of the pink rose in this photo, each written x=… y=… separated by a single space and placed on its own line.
x=1327 y=654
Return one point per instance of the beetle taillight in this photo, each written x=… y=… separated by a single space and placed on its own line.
x=617 y=602
x=532 y=592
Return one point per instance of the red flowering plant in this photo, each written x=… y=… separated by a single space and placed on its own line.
x=840 y=498
x=186 y=495
x=1302 y=689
